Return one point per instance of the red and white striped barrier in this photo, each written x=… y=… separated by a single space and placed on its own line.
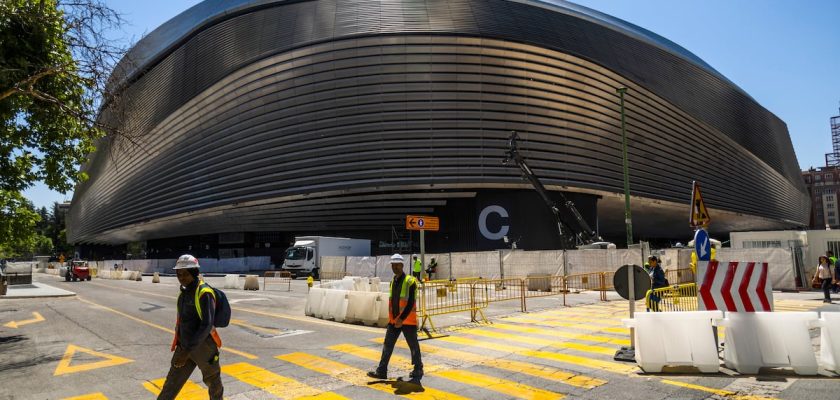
x=738 y=286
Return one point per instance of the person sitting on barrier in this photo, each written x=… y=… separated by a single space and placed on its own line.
x=402 y=317
x=823 y=277
x=432 y=269
x=658 y=280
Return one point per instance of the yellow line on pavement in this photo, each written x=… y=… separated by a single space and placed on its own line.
x=539 y=371
x=190 y=391
x=719 y=392
x=89 y=396
x=272 y=314
x=357 y=377
x=503 y=386
x=581 y=326
x=538 y=331
x=167 y=330
x=280 y=386
x=564 y=358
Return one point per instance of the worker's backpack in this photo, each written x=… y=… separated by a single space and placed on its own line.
x=222 y=317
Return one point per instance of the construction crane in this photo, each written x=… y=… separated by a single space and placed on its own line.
x=577 y=228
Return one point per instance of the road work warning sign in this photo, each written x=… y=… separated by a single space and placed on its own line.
x=699 y=212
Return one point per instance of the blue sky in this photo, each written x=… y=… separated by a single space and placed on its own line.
x=784 y=53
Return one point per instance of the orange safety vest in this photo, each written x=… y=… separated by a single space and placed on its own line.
x=199 y=291
x=408 y=280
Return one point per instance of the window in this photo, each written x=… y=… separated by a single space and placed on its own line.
x=807 y=179
x=762 y=244
x=829 y=213
x=829 y=177
x=828 y=190
x=817 y=178
x=832 y=221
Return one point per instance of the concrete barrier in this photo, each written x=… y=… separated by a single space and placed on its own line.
x=830 y=340
x=676 y=339
x=769 y=339
x=252 y=282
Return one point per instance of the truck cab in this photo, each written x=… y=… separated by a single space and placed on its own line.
x=301 y=259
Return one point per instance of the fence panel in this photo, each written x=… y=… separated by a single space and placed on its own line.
x=520 y=264
x=672 y=298
x=476 y=264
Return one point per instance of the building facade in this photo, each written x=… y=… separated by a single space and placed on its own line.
x=267 y=119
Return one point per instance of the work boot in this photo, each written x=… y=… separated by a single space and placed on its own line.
x=377 y=375
x=415 y=376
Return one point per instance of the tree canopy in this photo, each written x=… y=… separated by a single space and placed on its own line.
x=54 y=65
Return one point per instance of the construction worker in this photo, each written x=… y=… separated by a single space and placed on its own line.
x=196 y=342
x=402 y=317
x=417 y=268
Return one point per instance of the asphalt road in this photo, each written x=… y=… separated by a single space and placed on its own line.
x=112 y=341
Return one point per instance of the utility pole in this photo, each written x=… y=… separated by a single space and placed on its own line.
x=628 y=221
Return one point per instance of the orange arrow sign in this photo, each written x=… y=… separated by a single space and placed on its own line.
x=422 y=223
x=16 y=324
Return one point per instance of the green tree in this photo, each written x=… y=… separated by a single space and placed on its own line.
x=55 y=60
x=17 y=232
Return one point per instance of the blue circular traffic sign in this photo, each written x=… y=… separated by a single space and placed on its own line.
x=702 y=245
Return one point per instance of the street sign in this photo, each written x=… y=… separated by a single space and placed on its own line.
x=702 y=245
x=641 y=282
x=734 y=287
x=699 y=213
x=422 y=223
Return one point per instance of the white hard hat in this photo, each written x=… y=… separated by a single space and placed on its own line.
x=186 y=261
x=397 y=259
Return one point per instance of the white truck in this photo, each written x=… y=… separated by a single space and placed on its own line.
x=304 y=257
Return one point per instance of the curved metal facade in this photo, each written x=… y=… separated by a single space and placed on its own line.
x=332 y=115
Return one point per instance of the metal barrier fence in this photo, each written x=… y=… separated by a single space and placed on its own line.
x=439 y=298
x=597 y=281
x=682 y=275
x=282 y=278
x=682 y=297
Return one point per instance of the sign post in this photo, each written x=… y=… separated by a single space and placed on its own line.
x=422 y=223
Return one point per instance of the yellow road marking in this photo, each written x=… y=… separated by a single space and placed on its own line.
x=612 y=320
x=547 y=355
x=488 y=382
x=539 y=371
x=269 y=314
x=167 y=330
x=64 y=366
x=15 y=324
x=544 y=342
x=585 y=327
x=355 y=376
x=89 y=396
x=280 y=386
x=190 y=390
x=719 y=392
x=503 y=386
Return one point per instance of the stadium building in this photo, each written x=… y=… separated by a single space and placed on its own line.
x=245 y=123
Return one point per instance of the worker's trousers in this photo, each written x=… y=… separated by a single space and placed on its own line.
x=206 y=357
x=392 y=333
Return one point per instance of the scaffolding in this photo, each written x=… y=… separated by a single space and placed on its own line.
x=833 y=159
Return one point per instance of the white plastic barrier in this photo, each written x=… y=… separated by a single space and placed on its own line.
x=769 y=339
x=313 y=302
x=362 y=307
x=382 y=306
x=335 y=305
x=232 y=281
x=675 y=338
x=830 y=341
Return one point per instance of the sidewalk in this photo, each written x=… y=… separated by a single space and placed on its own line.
x=35 y=290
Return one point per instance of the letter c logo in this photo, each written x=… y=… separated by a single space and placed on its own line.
x=482 y=223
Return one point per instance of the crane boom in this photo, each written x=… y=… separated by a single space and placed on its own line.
x=577 y=228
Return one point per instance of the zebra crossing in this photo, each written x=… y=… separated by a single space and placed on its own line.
x=549 y=354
